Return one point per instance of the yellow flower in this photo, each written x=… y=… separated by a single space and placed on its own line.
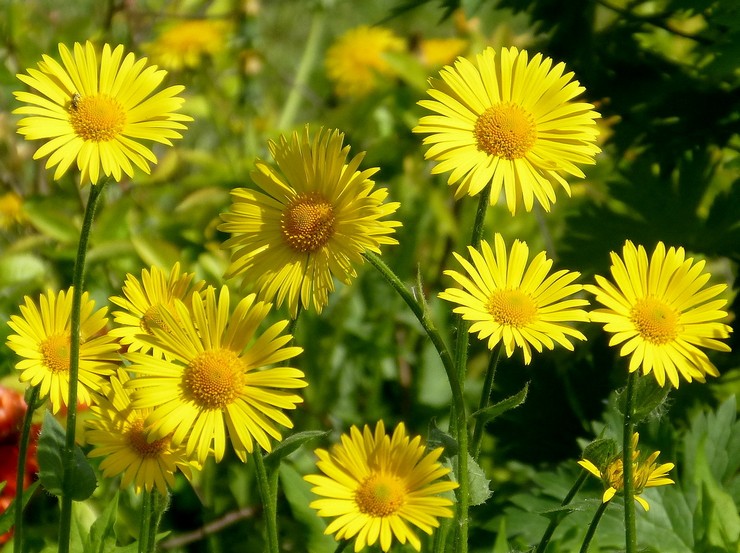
x=95 y=112
x=317 y=216
x=42 y=339
x=11 y=210
x=355 y=63
x=511 y=124
x=435 y=52
x=661 y=313
x=212 y=378
x=510 y=302
x=377 y=486
x=646 y=474
x=143 y=303
x=185 y=44
x=116 y=432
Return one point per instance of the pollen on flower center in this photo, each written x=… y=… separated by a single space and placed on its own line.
x=655 y=321
x=380 y=495
x=512 y=307
x=136 y=439
x=214 y=378
x=98 y=118
x=308 y=223
x=505 y=130
x=55 y=351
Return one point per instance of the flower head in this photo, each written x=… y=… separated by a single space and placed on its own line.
x=355 y=62
x=647 y=473
x=11 y=210
x=378 y=485
x=186 y=44
x=509 y=123
x=661 y=313
x=116 y=432
x=143 y=303
x=518 y=304
x=96 y=111
x=212 y=379
x=42 y=339
x=312 y=221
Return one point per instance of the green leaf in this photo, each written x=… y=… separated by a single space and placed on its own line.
x=102 y=537
x=480 y=490
x=21 y=267
x=7 y=517
x=496 y=410
x=438 y=438
x=648 y=396
x=154 y=251
x=298 y=493
x=290 y=444
x=51 y=221
x=601 y=452
x=51 y=469
x=501 y=545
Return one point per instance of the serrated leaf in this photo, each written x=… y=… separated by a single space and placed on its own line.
x=480 y=490
x=290 y=444
x=438 y=438
x=496 y=410
x=102 y=537
x=51 y=472
x=7 y=517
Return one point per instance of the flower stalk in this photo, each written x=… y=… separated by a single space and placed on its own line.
x=20 y=475
x=554 y=522
x=592 y=527
x=630 y=532
x=269 y=502
x=485 y=398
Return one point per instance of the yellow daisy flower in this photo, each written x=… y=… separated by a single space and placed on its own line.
x=186 y=44
x=11 y=210
x=647 y=474
x=661 y=313
x=355 y=63
x=518 y=304
x=42 y=339
x=212 y=377
x=143 y=302
x=511 y=124
x=116 y=432
x=95 y=112
x=379 y=486
x=316 y=216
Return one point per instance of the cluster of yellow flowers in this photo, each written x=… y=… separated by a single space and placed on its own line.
x=198 y=372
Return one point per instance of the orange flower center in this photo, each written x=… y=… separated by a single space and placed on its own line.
x=656 y=322
x=505 y=130
x=55 y=351
x=136 y=439
x=215 y=378
x=512 y=307
x=380 y=495
x=98 y=118
x=308 y=223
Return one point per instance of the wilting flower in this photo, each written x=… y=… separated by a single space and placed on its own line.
x=96 y=111
x=186 y=44
x=143 y=302
x=661 y=312
x=315 y=217
x=377 y=486
x=355 y=62
x=213 y=377
x=518 y=304
x=42 y=339
x=646 y=474
x=509 y=123
x=116 y=432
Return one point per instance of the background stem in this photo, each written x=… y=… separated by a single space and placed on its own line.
x=630 y=532
x=269 y=502
x=21 y=470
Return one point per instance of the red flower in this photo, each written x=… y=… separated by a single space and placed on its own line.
x=12 y=410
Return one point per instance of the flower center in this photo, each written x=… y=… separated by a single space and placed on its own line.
x=380 y=495
x=215 y=378
x=98 y=118
x=655 y=321
x=505 y=130
x=512 y=307
x=136 y=439
x=55 y=351
x=153 y=319
x=308 y=223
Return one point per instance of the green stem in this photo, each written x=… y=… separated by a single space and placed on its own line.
x=422 y=314
x=293 y=323
x=158 y=506
x=310 y=54
x=145 y=522
x=78 y=280
x=20 y=475
x=630 y=532
x=269 y=502
x=554 y=522
x=485 y=398
x=592 y=527
x=341 y=546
